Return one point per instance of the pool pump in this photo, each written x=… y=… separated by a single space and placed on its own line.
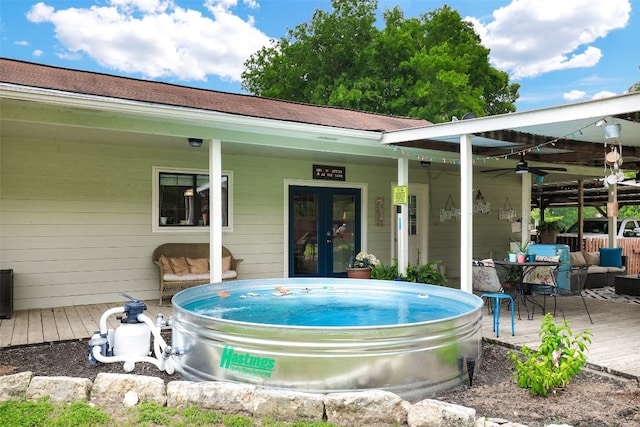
x=130 y=342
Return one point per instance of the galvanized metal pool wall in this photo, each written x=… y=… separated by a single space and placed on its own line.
x=413 y=360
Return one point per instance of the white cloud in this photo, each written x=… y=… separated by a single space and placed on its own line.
x=574 y=95
x=37 y=53
x=157 y=38
x=532 y=37
x=603 y=94
x=22 y=43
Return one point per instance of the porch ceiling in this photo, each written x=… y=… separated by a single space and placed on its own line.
x=570 y=136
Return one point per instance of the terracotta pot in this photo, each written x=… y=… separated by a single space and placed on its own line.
x=359 y=273
x=522 y=257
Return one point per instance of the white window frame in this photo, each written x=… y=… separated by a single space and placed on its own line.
x=155 y=200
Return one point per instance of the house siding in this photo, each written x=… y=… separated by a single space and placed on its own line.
x=76 y=216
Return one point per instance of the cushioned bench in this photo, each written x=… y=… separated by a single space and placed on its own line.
x=601 y=270
x=183 y=265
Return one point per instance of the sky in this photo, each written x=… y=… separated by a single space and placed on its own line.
x=559 y=51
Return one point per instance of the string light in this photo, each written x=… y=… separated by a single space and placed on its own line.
x=538 y=148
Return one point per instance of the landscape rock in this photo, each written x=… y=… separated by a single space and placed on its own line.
x=496 y=422
x=59 y=389
x=434 y=413
x=14 y=386
x=285 y=405
x=230 y=398
x=371 y=408
x=114 y=387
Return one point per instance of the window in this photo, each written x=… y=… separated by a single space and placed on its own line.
x=181 y=200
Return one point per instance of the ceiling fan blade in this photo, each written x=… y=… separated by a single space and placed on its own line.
x=537 y=171
x=497 y=170
x=553 y=169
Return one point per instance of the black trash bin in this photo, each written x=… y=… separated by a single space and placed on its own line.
x=6 y=294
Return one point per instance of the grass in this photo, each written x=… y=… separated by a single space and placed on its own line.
x=20 y=412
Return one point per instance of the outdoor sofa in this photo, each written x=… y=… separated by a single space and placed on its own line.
x=602 y=266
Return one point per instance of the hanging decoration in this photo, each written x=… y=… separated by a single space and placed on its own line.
x=613 y=158
x=507 y=212
x=480 y=205
x=449 y=211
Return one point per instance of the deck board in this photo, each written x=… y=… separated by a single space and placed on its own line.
x=34 y=331
x=49 y=329
x=62 y=324
x=616 y=328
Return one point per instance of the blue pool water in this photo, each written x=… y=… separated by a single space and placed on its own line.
x=326 y=306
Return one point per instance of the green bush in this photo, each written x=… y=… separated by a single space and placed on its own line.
x=420 y=273
x=559 y=358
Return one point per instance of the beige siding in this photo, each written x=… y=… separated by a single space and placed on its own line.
x=75 y=218
x=490 y=235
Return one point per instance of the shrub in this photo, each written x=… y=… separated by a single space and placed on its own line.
x=420 y=273
x=559 y=358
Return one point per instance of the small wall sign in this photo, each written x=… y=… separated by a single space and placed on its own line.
x=332 y=173
x=400 y=195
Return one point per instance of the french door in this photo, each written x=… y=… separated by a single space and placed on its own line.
x=324 y=230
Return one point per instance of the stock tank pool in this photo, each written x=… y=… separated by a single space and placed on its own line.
x=328 y=335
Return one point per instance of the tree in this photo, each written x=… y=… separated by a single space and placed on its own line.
x=431 y=67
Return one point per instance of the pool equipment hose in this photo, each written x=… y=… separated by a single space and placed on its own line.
x=129 y=343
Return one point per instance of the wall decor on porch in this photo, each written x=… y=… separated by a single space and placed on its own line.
x=379 y=211
x=449 y=211
x=507 y=212
x=481 y=206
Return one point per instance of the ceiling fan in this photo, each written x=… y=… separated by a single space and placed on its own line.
x=523 y=167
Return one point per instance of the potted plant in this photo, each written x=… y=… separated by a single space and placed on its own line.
x=547 y=231
x=360 y=266
x=522 y=251
x=512 y=256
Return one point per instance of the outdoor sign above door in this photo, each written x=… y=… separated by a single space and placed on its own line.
x=332 y=173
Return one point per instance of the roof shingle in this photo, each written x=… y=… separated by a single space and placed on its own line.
x=29 y=74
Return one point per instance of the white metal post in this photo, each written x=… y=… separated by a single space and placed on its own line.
x=215 y=210
x=403 y=217
x=466 y=212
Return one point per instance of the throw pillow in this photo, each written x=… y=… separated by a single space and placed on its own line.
x=166 y=264
x=611 y=257
x=543 y=275
x=577 y=259
x=226 y=263
x=179 y=265
x=592 y=258
x=198 y=265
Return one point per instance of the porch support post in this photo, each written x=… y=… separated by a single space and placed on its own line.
x=215 y=210
x=526 y=208
x=403 y=217
x=612 y=214
x=466 y=212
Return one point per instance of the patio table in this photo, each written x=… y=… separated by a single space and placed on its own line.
x=522 y=269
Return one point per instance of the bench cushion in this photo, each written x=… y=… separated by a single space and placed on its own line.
x=198 y=265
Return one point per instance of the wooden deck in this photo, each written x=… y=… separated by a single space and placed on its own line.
x=615 y=348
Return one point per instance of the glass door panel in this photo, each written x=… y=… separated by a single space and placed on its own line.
x=324 y=230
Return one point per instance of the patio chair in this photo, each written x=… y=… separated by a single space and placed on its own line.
x=485 y=280
x=578 y=278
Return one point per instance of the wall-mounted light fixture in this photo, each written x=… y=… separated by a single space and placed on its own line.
x=195 y=142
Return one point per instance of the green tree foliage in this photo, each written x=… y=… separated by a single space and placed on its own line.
x=432 y=67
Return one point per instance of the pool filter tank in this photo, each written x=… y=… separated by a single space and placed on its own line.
x=130 y=342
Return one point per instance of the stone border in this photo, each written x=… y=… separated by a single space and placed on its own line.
x=370 y=408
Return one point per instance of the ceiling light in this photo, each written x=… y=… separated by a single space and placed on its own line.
x=195 y=142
